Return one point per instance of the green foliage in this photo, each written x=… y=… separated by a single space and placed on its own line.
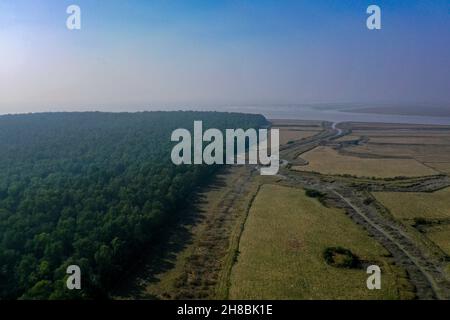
x=90 y=189
x=340 y=257
x=420 y=221
x=316 y=194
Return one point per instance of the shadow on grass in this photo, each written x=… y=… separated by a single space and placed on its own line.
x=174 y=238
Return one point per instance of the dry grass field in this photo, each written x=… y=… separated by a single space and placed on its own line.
x=387 y=150
x=433 y=209
x=422 y=152
x=427 y=144
x=392 y=133
x=287 y=135
x=383 y=127
x=328 y=161
x=294 y=130
x=443 y=167
x=410 y=205
x=421 y=140
x=281 y=252
x=349 y=137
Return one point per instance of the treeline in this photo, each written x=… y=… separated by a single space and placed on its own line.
x=90 y=189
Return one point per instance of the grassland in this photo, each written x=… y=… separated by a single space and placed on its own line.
x=419 y=152
x=428 y=213
x=440 y=235
x=410 y=205
x=349 y=137
x=287 y=135
x=427 y=144
x=443 y=167
x=427 y=140
x=294 y=130
x=281 y=252
x=326 y=160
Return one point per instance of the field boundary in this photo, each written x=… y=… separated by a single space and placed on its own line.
x=224 y=284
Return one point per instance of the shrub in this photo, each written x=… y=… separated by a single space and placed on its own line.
x=314 y=193
x=340 y=257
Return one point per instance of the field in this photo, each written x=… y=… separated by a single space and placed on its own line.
x=421 y=140
x=432 y=210
x=427 y=153
x=349 y=137
x=443 y=167
x=328 y=161
x=384 y=151
x=287 y=135
x=281 y=251
x=410 y=205
x=429 y=145
x=440 y=235
x=295 y=130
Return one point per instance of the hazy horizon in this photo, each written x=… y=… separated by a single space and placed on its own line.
x=134 y=55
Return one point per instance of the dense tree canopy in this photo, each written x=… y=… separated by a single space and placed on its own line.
x=89 y=189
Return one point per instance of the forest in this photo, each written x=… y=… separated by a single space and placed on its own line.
x=90 y=189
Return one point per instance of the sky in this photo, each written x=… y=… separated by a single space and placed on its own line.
x=132 y=55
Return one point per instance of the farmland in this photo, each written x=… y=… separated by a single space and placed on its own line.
x=440 y=236
x=442 y=167
x=426 y=214
x=291 y=131
x=328 y=161
x=410 y=205
x=280 y=252
x=254 y=237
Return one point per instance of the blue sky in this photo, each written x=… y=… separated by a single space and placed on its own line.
x=133 y=54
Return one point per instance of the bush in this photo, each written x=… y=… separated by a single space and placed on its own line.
x=419 y=221
x=314 y=193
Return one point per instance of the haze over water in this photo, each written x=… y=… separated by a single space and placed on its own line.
x=317 y=113
x=333 y=115
x=129 y=55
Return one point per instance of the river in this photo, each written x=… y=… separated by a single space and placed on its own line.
x=311 y=113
